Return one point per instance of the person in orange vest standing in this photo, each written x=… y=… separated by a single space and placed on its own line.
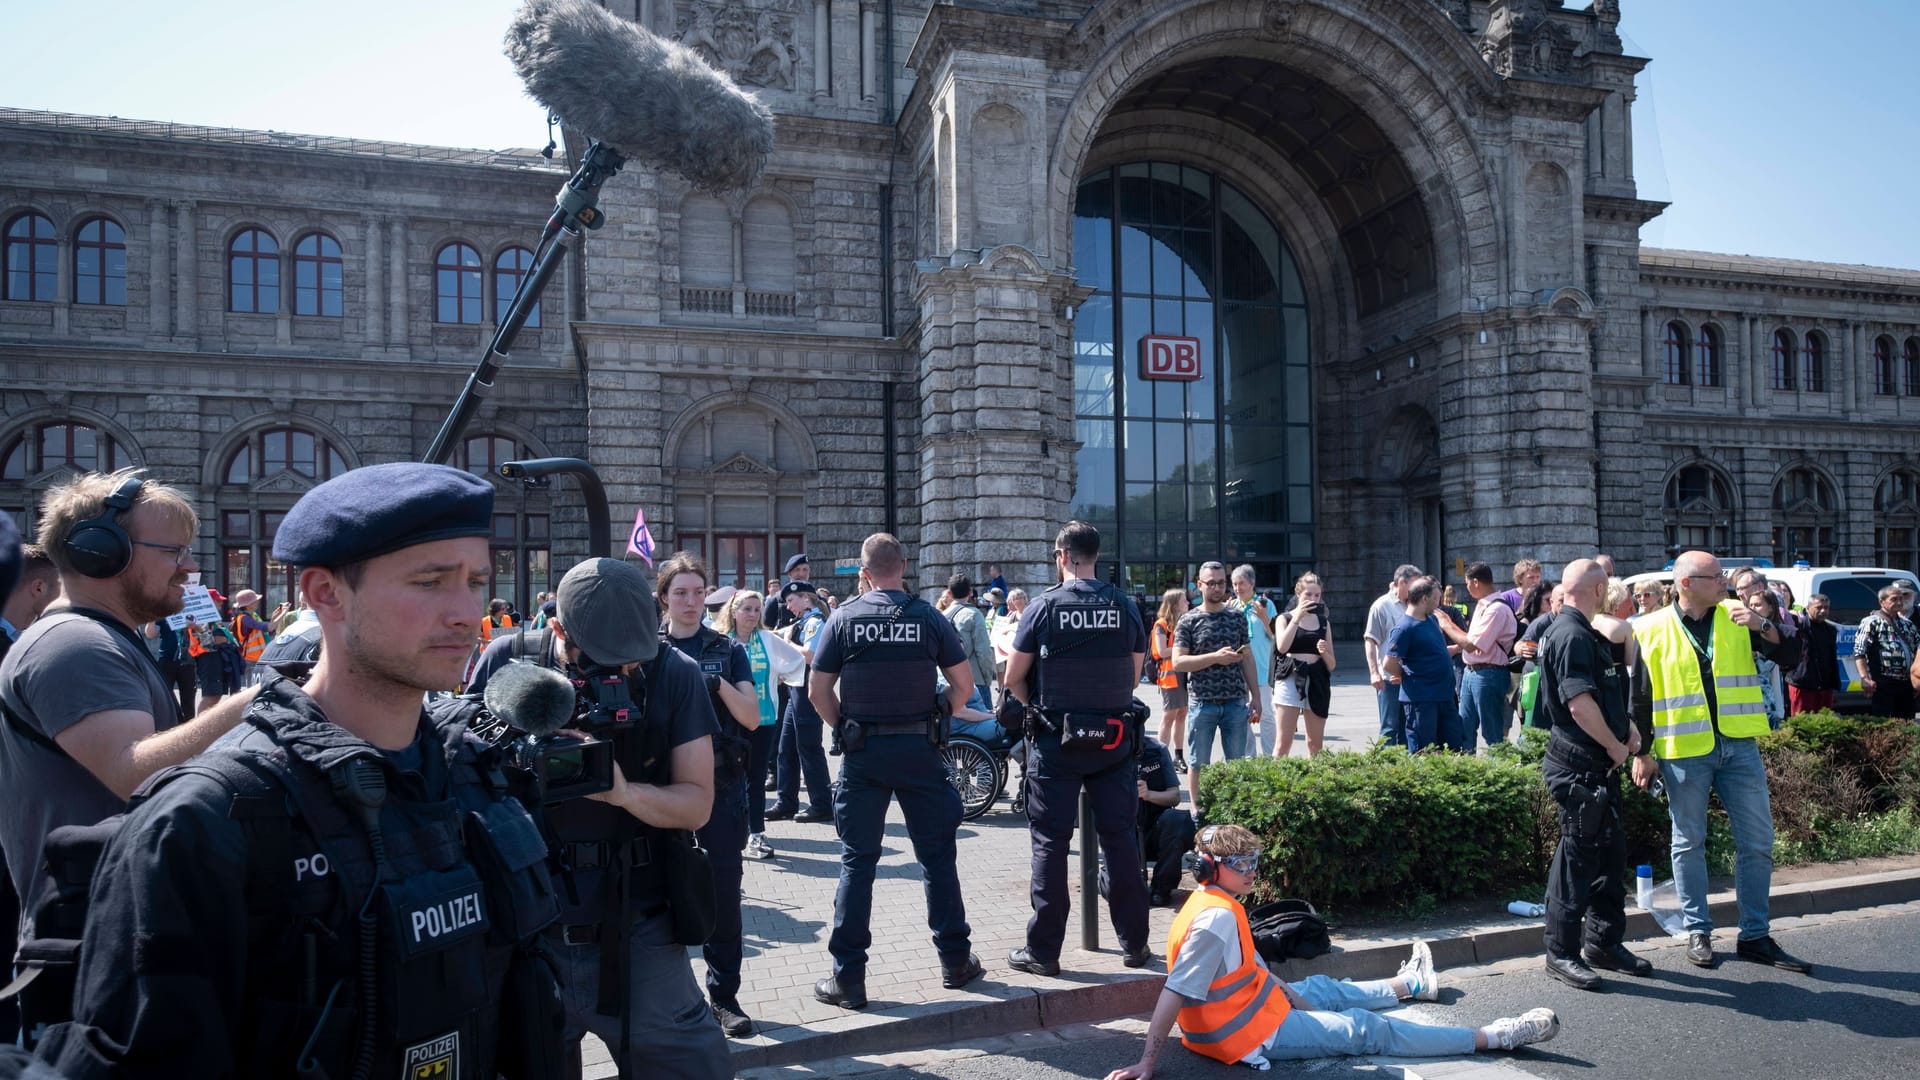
x=1173 y=684
x=1232 y=1009
x=498 y=619
x=248 y=629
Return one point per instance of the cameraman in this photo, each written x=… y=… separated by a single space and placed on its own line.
x=610 y=844
x=682 y=588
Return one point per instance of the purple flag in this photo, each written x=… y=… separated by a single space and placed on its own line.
x=641 y=542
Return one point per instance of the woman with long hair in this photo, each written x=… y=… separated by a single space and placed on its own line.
x=1303 y=636
x=773 y=661
x=1173 y=685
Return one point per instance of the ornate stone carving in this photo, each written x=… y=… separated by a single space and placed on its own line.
x=1522 y=39
x=1276 y=18
x=754 y=45
x=284 y=482
x=1460 y=11
x=742 y=465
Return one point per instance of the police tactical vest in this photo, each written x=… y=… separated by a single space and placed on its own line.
x=1085 y=661
x=889 y=647
x=714 y=652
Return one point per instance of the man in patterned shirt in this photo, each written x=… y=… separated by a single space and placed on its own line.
x=1210 y=646
x=1884 y=650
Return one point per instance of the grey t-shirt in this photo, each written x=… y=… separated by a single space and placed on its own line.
x=64 y=668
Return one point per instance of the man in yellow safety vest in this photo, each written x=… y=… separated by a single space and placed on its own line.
x=1232 y=1009
x=1698 y=702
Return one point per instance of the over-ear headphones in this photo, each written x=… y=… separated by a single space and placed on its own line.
x=98 y=547
x=1206 y=869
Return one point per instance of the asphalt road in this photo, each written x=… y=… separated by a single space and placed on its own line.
x=1856 y=1018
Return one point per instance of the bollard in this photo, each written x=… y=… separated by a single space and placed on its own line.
x=1089 y=878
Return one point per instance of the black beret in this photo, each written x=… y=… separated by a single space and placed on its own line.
x=797 y=560
x=383 y=508
x=792 y=587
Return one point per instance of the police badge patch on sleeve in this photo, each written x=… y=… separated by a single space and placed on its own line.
x=436 y=1059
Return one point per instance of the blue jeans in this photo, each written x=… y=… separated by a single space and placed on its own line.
x=1732 y=768
x=1339 y=1019
x=1483 y=704
x=1229 y=718
x=1393 y=723
x=980 y=700
x=1431 y=723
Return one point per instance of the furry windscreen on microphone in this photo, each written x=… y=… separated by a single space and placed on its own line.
x=530 y=697
x=651 y=99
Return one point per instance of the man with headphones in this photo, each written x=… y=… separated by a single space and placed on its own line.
x=1232 y=1009
x=88 y=715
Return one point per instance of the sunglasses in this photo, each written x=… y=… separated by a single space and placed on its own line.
x=1240 y=864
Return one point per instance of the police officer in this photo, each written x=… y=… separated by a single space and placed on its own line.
x=311 y=889
x=881 y=651
x=1583 y=696
x=1090 y=648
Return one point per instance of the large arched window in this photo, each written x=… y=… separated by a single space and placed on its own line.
x=456 y=284
x=260 y=480
x=1706 y=357
x=1785 y=357
x=253 y=273
x=100 y=263
x=317 y=275
x=1676 y=350
x=740 y=476
x=1804 y=512
x=1910 y=360
x=511 y=267
x=31 y=253
x=30 y=461
x=1896 y=521
x=1699 y=511
x=521 y=566
x=1813 y=363
x=1885 y=379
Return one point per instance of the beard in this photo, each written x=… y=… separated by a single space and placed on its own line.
x=367 y=658
x=151 y=603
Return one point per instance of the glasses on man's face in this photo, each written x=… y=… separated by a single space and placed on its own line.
x=1219 y=584
x=1241 y=864
x=182 y=553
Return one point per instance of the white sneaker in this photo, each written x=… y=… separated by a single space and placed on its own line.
x=758 y=848
x=1532 y=1026
x=1418 y=969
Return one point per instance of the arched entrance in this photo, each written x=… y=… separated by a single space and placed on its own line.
x=1178 y=467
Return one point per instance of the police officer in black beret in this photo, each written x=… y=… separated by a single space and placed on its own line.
x=316 y=893
x=1083 y=646
x=881 y=651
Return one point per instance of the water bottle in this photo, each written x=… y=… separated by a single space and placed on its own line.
x=1526 y=910
x=1643 y=876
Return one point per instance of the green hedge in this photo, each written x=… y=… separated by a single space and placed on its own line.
x=1385 y=829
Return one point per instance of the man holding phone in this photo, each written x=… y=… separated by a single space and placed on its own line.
x=1211 y=647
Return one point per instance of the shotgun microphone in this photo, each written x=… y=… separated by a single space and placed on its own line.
x=647 y=98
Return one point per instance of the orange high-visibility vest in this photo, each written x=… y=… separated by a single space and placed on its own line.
x=488 y=625
x=1168 y=678
x=1245 y=1006
x=251 y=644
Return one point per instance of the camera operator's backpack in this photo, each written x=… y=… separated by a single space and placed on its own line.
x=1288 y=929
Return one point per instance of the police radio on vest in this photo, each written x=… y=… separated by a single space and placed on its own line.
x=881 y=632
x=1087 y=618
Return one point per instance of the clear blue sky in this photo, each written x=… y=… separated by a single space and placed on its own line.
x=1775 y=127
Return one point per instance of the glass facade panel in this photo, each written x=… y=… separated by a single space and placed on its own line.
x=1174 y=250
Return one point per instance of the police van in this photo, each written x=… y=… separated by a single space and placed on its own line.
x=1854 y=592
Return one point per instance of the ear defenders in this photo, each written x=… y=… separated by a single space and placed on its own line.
x=99 y=547
x=1206 y=869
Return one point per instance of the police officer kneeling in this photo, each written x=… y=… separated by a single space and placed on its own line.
x=1090 y=648
x=335 y=888
x=881 y=650
x=1583 y=693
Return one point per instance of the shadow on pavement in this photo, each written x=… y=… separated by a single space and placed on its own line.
x=1785 y=1000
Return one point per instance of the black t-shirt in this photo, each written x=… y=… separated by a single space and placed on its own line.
x=1574 y=660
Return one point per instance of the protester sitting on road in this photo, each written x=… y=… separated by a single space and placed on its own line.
x=1232 y=1009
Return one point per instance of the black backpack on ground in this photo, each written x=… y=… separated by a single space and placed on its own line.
x=1288 y=929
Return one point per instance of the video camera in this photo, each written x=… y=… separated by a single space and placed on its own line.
x=558 y=736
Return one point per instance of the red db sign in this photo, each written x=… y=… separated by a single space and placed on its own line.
x=1166 y=357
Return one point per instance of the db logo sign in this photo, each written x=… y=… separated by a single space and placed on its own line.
x=1164 y=357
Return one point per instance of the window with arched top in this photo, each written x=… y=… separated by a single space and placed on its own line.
x=30 y=251
x=1896 y=520
x=1706 y=356
x=510 y=268
x=520 y=565
x=1813 y=363
x=317 y=276
x=1786 y=354
x=1885 y=378
x=261 y=478
x=33 y=458
x=100 y=263
x=456 y=284
x=739 y=477
x=253 y=272
x=1676 y=351
x=1698 y=509
x=1805 y=510
x=1910 y=360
